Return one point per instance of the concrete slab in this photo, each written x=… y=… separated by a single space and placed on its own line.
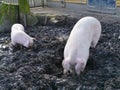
x=78 y=14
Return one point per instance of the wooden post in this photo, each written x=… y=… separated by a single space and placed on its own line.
x=63 y=3
x=18 y=14
x=42 y=1
x=25 y=20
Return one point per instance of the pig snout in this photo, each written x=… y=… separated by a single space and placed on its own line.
x=80 y=66
x=28 y=44
x=33 y=42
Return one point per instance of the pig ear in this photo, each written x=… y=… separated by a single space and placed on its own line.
x=66 y=65
x=79 y=66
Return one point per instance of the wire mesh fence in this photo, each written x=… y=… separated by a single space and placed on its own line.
x=32 y=3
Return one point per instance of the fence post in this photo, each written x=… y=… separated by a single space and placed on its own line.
x=42 y=2
x=63 y=3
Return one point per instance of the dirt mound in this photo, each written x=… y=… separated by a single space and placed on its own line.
x=39 y=68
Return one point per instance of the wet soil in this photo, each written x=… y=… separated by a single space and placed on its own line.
x=39 y=67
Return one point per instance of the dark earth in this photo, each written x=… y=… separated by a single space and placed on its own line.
x=39 y=67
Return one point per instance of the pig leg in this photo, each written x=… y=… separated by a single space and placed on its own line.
x=94 y=42
x=96 y=37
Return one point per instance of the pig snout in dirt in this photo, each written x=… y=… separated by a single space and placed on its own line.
x=18 y=36
x=85 y=34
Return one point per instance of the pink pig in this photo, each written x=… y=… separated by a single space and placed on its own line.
x=84 y=34
x=18 y=36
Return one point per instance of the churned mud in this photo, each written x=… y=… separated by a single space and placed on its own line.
x=39 y=67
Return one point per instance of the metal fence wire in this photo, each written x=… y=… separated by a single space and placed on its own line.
x=32 y=3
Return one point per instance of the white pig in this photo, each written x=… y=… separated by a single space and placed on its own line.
x=17 y=27
x=18 y=36
x=84 y=34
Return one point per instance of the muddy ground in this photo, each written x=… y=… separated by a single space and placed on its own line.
x=39 y=68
